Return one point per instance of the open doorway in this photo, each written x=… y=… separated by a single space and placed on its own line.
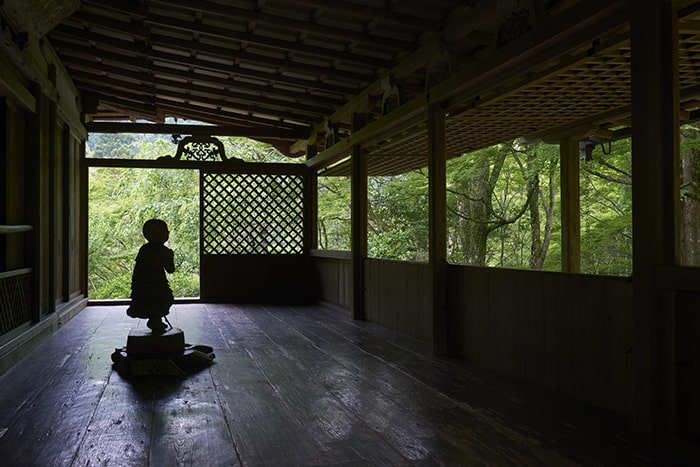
x=120 y=200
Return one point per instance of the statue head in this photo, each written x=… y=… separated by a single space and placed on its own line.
x=156 y=231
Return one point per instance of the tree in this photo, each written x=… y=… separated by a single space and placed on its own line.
x=606 y=210
x=491 y=190
x=334 y=213
x=690 y=195
x=121 y=200
x=397 y=217
x=112 y=146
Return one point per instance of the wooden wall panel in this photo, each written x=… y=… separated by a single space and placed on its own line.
x=688 y=364
x=12 y=211
x=254 y=278
x=399 y=296
x=568 y=332
x=468 y=329
x=619 y=341
x=332 y=281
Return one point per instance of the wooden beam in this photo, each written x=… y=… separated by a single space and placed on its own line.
x=190 y=91
x=570 y=206
x=141 y=58
x=387 y=15
x=582 y=24
x=541 y=45
x=12 y=85
x=286 y=23
x=466 y=20
x=204 y=130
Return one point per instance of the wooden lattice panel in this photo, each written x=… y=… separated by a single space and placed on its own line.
x=15 y=300
x=252 y=214
x=594 y=89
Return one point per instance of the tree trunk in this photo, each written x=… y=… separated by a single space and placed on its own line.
x=474 y=225
x=690 y=202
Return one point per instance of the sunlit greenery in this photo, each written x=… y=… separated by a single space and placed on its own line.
x=503 y=209
x=121 y=200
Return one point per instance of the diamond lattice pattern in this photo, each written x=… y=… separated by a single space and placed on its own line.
x=252 y=214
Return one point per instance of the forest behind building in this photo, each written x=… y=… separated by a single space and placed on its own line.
x=503 y=209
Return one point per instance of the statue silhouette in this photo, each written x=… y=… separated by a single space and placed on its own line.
x=151 y=296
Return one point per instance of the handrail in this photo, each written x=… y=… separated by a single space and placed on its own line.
x=14 y=273
x=10 y=229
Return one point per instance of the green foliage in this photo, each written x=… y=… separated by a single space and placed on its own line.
x=112 y=146
x=334 y=213
x=253 y=151
x=503 y=210
x=398 y=217
x=606 y=210
x=121 y=200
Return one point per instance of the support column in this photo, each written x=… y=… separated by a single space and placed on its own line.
x=310 y=224
x=438 y=225
x=655 y=192
x=311 y=204
x=570 y=206
x=358 y=236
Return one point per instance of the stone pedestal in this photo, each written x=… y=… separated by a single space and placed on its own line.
x=142 y=343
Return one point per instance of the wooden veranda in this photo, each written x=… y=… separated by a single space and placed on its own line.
x=297 y=385
x=359 y=88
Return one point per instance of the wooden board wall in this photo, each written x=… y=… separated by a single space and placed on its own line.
x=12 y=155
x=332 y=279
x=571 y=333
x=254 y=278
x=399 y=295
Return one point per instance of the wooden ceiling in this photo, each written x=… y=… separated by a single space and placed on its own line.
x=297 y=72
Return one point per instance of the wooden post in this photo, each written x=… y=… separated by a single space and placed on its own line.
x=311 y=204
x=655 y=192
x=310 y=224
x=438 y=225
x=570 y=206
x=83 y=216
x=358 y=228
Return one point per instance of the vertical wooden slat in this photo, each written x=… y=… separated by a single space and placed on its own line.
x=438 y=225
x=570 y=207
x=655 y=193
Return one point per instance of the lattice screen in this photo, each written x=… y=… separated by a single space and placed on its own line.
x=252 y=214
x=15 y=300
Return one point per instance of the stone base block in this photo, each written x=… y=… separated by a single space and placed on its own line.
x=141 y=342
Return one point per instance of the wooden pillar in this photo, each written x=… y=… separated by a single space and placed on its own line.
x=358 y=230
x=438 y=225
x=311 y=204
x=655 y=191
x=83 y=196
x=570 y=207
x=310 y=225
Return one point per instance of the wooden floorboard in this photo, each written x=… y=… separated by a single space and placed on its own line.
x=298 y=385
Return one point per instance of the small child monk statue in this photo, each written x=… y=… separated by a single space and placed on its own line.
x=151 y=296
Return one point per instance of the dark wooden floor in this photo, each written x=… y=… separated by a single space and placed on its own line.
x=289 y=386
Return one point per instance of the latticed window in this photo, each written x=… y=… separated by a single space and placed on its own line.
x=252 y=214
